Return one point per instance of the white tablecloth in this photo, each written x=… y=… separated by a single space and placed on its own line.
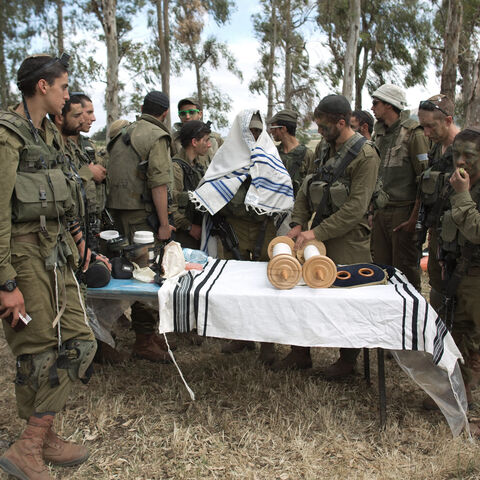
x=232 y=299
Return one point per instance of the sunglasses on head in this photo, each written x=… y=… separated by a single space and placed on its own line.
x=430 y=106
x=184 y=113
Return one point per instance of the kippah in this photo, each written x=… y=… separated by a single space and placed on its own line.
x=157 y=98
x=335 y=104
x=286 y=115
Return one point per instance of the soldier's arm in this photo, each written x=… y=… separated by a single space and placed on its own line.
x=363 y=172
x=179 y=195
x=418 y=148
x=466 y=216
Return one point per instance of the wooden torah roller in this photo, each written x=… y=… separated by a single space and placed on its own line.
x=318 y=271
x=283 y=270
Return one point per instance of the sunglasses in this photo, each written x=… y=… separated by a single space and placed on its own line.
x=375 y=102
x=430 y=106
x=184 y=113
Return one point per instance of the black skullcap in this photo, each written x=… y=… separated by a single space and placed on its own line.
x=336 y=104
x=189 y=101
x=157 y=98
x=286 y=115
x=191 y=130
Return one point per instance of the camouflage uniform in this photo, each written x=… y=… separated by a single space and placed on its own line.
x=403 y=150
x=299 y=162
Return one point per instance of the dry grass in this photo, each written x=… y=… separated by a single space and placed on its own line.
x=247 y=423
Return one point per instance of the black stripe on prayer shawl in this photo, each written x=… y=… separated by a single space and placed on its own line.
x=427 y=306
x=197 y=292
x=414 y=317
x=181 y=304
x=438 y=347
x=206 y=298
x=404 y=314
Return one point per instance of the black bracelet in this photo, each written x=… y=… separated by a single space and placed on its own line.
x=79 y=241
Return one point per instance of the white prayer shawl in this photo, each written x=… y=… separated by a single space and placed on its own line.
x=237 y=159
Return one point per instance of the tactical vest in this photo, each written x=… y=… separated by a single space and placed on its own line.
x=293 y=161
x=128 y=166
x=396 y=171
x=41 y=189
x=191 y=179
x=451 y=240
x=315 y=185
x=432 y=182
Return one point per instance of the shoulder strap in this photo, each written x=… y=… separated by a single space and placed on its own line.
x=335 y=175
x=188 y=173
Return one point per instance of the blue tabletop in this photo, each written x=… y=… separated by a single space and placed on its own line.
x=124 y=288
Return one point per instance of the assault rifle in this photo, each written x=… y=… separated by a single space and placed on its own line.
x=227 y=235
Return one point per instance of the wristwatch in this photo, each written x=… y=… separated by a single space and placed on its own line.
x=9 y=286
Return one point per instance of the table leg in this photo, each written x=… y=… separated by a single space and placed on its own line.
x=381 y=387
x=366 y=365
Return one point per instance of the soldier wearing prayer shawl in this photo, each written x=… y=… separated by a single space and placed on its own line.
x=245 y=185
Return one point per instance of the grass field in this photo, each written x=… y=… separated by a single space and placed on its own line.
x=247 y=422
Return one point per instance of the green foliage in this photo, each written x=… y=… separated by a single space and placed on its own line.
x=100 y=135
x=394 y=44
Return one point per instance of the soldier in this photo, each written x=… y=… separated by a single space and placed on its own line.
x=459 y=241
x=404 y=153
x=36 y=270
x=139 y=176
x=188 y=170
x=348 y=168
x=297 y=158
x=362 y=122
x=190 y=109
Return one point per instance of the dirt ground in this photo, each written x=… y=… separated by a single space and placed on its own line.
x=246 y=423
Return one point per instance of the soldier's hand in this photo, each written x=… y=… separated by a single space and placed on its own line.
x=295 y=231
x=460 y=180
x=165 y=232
x=196 y=231
x=105 y=260
x=12 y=303
x=303 y=238
x=98 y=172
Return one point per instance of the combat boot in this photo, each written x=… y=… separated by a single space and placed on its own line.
x=107 y=355
x=146 y=347
x=340 y=369
x=61 y=452
x=24 y=459
x=298 y=359
x=237 y=346
x=160 y=341
x=267 y=353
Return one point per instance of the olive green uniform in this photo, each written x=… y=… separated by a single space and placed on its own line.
x=38 y=252
x=139 y=160
x=461 y=223
x=431 y=185
x=403 y=150
x=344 y=228
x=254 y=231
x=299 y=162
x=186 y=176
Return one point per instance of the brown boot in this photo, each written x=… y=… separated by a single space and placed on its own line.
x=341 y=368
x=24 y=459
x=160 y=341
x=106 y=355
x=267 y=353
x=146 y=347
x=298 y=359
x=237 y=346
x=61 y=452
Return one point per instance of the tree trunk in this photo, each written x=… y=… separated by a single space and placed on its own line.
x=60 y=45
x=351 y=50
x=4 y=82
x=288 y=56
x=112 y=104
x=271 y=59
x=451 y=42
x=472 y=105
x=163 y=26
